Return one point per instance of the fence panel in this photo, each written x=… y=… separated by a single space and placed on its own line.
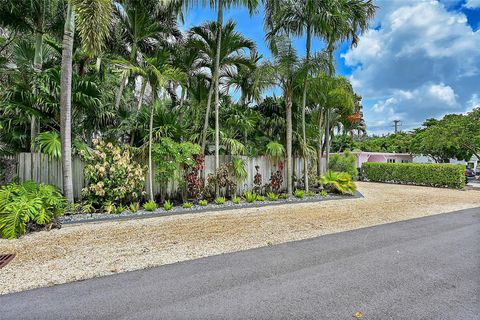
x=45 y=169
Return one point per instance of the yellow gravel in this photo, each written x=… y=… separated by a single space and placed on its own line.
x=95 y=249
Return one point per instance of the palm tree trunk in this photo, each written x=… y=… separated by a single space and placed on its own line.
x=182 y=101
x=217 y=89
x=66 y=103
x=118 y=98
x=207 y=116
x=139 y=106
x=150 y=162
x=319 y=148
x=327 y=139
x=288 y=104
x=304 y=106
x=37 y=67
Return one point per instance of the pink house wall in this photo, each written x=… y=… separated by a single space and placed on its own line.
x=368 y=157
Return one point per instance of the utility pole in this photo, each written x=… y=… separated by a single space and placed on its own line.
x=397 y=124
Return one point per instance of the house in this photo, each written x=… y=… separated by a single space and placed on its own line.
x=473 y=163
x=385 y=157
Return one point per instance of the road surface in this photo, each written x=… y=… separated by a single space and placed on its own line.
x=427 y=268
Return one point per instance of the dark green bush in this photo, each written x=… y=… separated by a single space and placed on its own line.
x=346 y=162
x=424 y=174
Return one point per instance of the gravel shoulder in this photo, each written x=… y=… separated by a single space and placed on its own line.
x=82 y=251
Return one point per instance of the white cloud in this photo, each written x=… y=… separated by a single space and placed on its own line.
x=472 y=4
x=420 y=61
x=442 y=93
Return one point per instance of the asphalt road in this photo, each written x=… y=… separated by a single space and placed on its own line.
x=426 y=268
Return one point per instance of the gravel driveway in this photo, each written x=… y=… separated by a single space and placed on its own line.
x=85 y=251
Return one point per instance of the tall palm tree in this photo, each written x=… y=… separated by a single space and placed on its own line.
x=335 y=98
x=286 y=71
x=158 y=72
x=141 y=31
x=203 y=38
x=331 y=21
x=220 y=6
x=93 y=19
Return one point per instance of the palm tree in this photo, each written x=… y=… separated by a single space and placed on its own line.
x=141 y=32
x=158 y=72
x=93 y=19
x=330 y=20
x=334 y=97
x=286 y=71
x=203 y=39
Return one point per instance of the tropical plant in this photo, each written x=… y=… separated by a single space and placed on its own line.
x=299 y=193
x=203 y=203
x=134 y=207
x=28 y=203
x=346 y=162
x=324 y=193
x=284 y=196
x=236 y=200
x=113 y=175
x=250 y=196
x=272 y=196
x=260 y=198
x=330 y=20
x=150 y=206
x=167 y=205
x=220 y=200
x=187 y=205
x=338 y=182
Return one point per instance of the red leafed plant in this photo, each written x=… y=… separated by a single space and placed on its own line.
x=354 y=117
x=195 y=183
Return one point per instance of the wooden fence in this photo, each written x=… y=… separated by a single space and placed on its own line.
x=45 y=169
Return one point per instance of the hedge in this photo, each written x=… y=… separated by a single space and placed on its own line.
x=424 y=174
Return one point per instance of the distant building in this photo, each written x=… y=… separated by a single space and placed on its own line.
x=473 y=163
x=385 y=157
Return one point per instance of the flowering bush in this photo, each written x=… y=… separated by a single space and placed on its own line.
x=112 y=175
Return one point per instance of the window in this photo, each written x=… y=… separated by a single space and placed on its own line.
x=391 y=160
x=405 y=161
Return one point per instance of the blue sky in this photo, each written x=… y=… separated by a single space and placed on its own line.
x=419 y=59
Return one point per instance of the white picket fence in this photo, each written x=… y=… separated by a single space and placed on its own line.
x=44 y=169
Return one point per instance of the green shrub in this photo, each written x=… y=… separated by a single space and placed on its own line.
x=134 y=207
x=112 y=174
x=260 y=198
x=150 y=206
x=299 y=193
x=220 y=200
x=338 y=182
x=346 y=162
x=236 y=200
x=203 y=203
x=88 y=208
x=324 y=193
x=425 y=174
x=250 y=196
x=272 y=196
x=167 y=205
x=284 y=196
x=120 y=209
x=187 y=205
x=311 y=194
x=28 y=202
